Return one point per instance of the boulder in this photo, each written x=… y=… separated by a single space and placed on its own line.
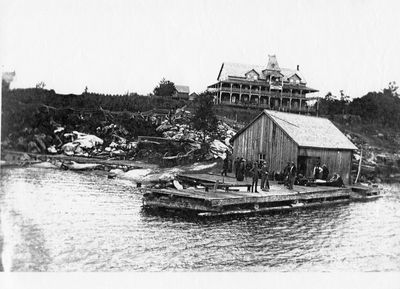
x=52 y=149
x=87 y=140
x=69 y=148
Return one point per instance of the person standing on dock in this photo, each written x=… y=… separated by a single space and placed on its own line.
x=286 y=175
x=292 y=176
x=264 y=177
x=236 y=166
x=248 y=168
x=254 y=170
x=317 y=171
x=241 y=169
x=325 y=172
x=225 y=166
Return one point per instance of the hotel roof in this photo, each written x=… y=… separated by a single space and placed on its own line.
x=239 y=70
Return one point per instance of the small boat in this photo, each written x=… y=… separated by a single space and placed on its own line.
x=365 y=193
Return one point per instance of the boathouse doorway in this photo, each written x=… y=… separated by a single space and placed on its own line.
x=306 y=164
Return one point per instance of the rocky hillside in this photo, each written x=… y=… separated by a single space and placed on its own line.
x=380 y=151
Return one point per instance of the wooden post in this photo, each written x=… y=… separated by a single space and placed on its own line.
x=231 y=94
x=269 y=83
x=359 y=168
x=216 y=186
x=220 y=92
x=249 y=93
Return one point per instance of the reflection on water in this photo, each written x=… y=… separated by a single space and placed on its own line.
x=55 y=220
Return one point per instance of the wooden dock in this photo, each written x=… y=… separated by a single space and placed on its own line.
x=230 y=197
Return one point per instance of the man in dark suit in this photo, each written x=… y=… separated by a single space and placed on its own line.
x=292 y=175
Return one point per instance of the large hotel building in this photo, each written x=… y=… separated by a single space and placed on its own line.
x=259 y=86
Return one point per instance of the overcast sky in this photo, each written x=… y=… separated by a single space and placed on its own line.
x=116 y=46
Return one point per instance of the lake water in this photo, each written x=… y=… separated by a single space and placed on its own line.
x=54 y=220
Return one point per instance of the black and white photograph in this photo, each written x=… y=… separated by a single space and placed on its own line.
x=203 y=139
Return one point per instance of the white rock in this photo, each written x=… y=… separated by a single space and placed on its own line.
x=87 y=140
x=69 y=147
x=117 y=172
x=59 y=129
x=137 y=175
x=45 y=165
x=52 y=149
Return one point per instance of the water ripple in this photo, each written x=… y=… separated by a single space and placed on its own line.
x=64 y=221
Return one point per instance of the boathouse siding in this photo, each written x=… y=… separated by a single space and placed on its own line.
x=280 y=137
x=337 y=161
x=263 y=139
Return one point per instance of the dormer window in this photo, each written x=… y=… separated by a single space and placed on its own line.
x=252 y=75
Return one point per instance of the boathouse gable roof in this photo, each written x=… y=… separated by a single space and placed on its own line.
x=307 y=131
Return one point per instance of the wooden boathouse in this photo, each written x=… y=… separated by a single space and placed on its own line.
x=279 y=137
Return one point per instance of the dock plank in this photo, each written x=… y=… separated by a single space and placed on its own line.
x=212 y=178
x=280 y=198
x=221 y=197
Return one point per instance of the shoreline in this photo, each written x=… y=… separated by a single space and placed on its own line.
x=137 y=171
x=109 y=165
x=129 y=164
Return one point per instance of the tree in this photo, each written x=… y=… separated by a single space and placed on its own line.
x=40 y=85
x=382 y=108
x=332 y=104
x=329 y=96
x=165 y=88
x=204 y=118
x=344 y=97
x=393 y=88
x=6 y=79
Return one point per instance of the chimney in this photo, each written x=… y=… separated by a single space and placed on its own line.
x=298 y=67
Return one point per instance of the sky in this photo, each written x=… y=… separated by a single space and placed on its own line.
x=119 y=46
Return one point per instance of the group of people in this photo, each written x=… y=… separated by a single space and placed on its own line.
x=290 y=173
x=321 y=172
x=244 y=169
x=259 y=169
